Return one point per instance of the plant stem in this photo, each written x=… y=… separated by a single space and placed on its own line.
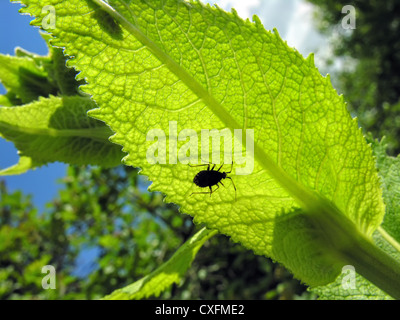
x=375 y=265
x=347 y=244
x=389 y=239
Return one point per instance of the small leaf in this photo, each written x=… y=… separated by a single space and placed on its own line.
x=57 y=129
x=168 y=273
x=26 y=78
x=23 y=165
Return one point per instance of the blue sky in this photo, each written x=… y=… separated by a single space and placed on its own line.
x=292 y=18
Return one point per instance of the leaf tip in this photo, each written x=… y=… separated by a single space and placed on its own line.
x=277 y=33
x=257 y=21
x=310 y=59
x=234 y=12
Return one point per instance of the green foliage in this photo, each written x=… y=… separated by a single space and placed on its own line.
x=106 y=210
x=28 y=242
x=85 y=216
x=318 y=198
x=364 y=289
x=228 y=80
x=134 y=233
x=224 y=269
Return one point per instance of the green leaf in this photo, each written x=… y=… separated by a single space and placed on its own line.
x=389 y=171
x=63 y=76
x=26 y=78
x=9 y=100
x=23 y=165
x=168 y=273
x=57 y=129
x=314 y=196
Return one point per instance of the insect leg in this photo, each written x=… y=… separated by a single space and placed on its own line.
x=206 y=192
x=233 y=185
x=211 y=190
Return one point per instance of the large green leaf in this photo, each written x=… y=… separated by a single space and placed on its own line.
x=314 y=186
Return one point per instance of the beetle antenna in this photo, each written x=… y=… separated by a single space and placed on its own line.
x=231 y=168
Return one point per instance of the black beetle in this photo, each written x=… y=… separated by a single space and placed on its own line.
x=209 y=178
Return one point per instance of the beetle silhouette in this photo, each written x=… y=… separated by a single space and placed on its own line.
x=209 y=178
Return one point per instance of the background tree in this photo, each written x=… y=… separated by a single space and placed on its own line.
x=370 y=76
x=106 y=231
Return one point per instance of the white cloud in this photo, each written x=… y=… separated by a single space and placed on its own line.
x=245 y=9
x=301 y=34
x=292 y=18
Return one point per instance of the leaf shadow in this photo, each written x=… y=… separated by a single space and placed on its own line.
x=299 y=246
x=106 y=22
